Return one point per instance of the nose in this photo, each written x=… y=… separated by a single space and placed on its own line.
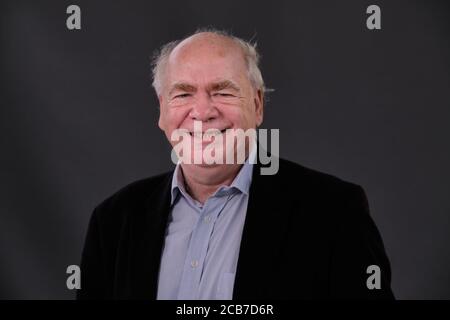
x=203 y=108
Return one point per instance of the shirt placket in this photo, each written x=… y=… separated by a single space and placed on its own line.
x=198 y=248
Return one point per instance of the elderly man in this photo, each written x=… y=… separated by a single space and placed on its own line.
x=224 y=230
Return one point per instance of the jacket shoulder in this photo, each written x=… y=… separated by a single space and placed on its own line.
x=312 y=179
x=133 y=196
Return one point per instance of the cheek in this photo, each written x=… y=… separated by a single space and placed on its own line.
x=242 y=117
x=231 y=114
x=174 y=116
x=173 y=119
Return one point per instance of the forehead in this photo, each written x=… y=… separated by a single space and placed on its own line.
x=206 y=58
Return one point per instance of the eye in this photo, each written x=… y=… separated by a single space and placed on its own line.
x=183 y=95
x=223 y=94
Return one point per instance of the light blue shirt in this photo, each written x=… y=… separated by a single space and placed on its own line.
x=202 y=243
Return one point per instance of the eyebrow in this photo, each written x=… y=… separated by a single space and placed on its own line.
x=225 y=84
x=182 y=86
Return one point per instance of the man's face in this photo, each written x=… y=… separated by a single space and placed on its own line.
x=206 y=80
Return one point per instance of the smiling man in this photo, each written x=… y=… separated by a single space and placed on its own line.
x=224 y=230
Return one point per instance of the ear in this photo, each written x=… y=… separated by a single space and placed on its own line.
x=160 y=120
x=259 y=107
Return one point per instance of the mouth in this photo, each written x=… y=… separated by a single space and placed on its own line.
x=207 y=135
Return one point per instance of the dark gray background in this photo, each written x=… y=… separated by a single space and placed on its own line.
x=78 y=119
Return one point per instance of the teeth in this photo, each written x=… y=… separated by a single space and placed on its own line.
x=207 y=135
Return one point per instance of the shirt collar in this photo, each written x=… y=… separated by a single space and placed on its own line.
x=242 y=181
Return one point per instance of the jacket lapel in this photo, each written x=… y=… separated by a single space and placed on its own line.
x=265 y=228
x=148 y=240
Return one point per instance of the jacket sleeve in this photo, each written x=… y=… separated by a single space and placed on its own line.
x=360 y=268
x=92 y=263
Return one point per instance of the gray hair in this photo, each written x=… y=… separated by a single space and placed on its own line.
x=248 y=48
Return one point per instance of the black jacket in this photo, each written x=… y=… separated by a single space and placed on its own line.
x=307 y=235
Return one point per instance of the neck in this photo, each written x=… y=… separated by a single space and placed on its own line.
x=202 y=181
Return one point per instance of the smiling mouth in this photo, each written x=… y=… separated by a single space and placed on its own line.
x=206 y=134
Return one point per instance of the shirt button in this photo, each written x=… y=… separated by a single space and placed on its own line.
x=194 y=263
x=207 y=219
